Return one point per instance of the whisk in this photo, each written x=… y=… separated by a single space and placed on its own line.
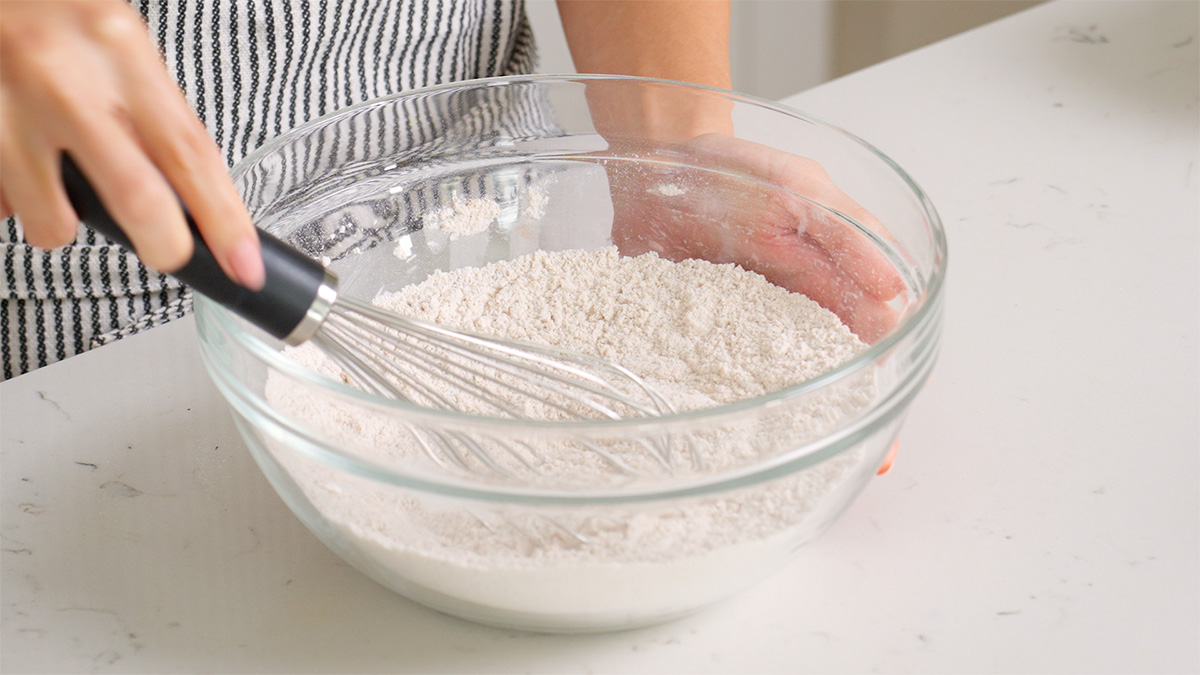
x=396 y=356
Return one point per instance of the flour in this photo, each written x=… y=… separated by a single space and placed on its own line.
x=536 y=200
x=668 y=190
x=702 y=334
x=463 y=217
x=709 y=334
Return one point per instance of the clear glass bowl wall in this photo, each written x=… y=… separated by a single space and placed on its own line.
x=353 y=189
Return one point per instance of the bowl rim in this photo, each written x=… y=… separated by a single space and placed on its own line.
x=928 y=303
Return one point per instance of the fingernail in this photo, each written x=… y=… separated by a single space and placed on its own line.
x=245 y=260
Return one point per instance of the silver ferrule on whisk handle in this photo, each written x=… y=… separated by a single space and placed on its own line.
x=322 y=305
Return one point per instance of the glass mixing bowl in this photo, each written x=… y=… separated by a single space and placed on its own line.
x=587 y=162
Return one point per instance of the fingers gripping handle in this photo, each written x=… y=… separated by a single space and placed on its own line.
x=291 y=305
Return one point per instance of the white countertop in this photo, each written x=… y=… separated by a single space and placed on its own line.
x=1043 y=514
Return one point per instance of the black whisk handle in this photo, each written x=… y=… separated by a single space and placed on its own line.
x=290 y=306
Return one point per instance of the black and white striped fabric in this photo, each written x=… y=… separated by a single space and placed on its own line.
x=251 y=69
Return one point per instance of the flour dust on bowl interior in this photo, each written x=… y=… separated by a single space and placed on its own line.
x=791 y=324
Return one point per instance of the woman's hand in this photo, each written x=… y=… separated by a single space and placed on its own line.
x=84 y=78
x=789 y=240
x=781 y=234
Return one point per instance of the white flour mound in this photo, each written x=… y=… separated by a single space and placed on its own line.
x=463 y=217
x=706 y=334
x=702 y=334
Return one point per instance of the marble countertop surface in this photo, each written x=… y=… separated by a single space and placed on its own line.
x=1043 y=514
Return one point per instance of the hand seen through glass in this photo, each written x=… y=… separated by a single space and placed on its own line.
x=688 y=213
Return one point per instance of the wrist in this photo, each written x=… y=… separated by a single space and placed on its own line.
x=656 y=112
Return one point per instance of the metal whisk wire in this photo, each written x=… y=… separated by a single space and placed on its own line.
x=432 y=365
x=412 y=360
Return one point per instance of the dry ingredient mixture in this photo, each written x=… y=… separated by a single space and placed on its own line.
x=703 y=334
x=463 y=217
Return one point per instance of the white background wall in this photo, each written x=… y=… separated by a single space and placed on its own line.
x=780 y=47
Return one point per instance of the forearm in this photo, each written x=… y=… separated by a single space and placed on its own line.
x=668 y=39
x=684 y=40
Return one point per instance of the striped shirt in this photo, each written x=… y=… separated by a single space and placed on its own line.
x=251 y=69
